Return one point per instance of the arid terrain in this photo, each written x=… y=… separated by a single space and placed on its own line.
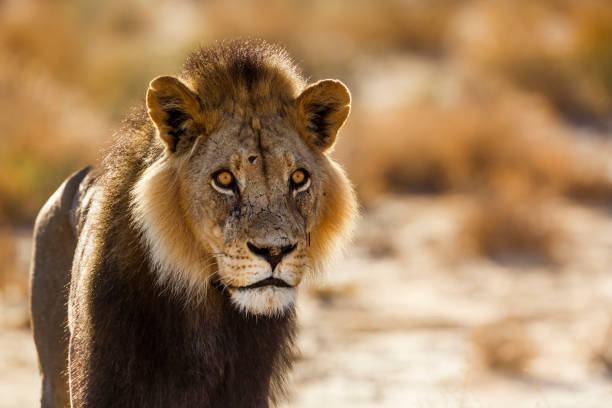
x=406 y=320
x=480 y=147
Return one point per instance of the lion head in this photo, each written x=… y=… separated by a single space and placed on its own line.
x=244 y=194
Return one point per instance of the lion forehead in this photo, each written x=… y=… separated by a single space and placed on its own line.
x=274 y=146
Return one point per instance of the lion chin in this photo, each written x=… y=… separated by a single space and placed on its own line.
x=267 y=300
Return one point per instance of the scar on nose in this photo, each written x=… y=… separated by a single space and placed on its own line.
x=252 y=159
x=256 y=124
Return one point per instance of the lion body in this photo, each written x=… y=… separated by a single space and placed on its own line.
x=123 y=310
x=184 y=357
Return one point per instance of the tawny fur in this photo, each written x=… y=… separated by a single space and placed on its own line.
x=166 y=305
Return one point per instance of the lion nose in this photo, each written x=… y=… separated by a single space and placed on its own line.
x=271 y=254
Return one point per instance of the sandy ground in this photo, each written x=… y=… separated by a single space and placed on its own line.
x=400 y=333
x=393 y=324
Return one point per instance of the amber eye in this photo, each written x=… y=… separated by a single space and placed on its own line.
x=224 y=179
x=299 y=179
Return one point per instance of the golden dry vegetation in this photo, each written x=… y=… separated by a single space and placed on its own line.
x=479 y=143
x=505 y=345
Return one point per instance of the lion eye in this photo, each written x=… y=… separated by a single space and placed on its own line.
x=298 y=177
x=300 y=180
x=224 y=181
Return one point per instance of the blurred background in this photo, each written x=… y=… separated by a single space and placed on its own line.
x=480 y=145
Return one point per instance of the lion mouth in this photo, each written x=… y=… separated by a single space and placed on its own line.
x=266 y=282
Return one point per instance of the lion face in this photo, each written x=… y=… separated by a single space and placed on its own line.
x=254 y=190
x=249 y=202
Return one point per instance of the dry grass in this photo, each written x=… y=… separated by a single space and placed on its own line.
x=510 y=153
x=562 y=50
x=469 y=147
x=329 y=294
x=13 y=277
x=63 y=76
x=388 y=25
x=50 y=135
x=512 y=229
x=504 y=346
x=14 y=281
x=602 y=355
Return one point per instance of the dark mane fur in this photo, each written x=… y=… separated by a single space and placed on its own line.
x=139 y=346
x=243 y=73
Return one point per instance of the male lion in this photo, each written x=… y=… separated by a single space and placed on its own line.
x=167 y=277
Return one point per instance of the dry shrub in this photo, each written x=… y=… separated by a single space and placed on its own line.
x=339 y=25
x=562 y=49
x=591 y=187
x=602 y=356
x=504 y=346
x=510 y=153
x=91 y=45
x=14 y=283
x=382 y=248
x=51 y=125
x=512 y=222
x=13 y=280
x=330 y=294
x=511 y=230
x=469 y=147
x=49 y=134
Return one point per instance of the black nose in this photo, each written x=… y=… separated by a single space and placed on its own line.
x=271 y=254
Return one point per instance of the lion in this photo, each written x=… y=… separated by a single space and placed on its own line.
x=167 y=276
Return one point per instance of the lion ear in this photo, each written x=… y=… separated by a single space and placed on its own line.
x=174 y=109
x=322 y=109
